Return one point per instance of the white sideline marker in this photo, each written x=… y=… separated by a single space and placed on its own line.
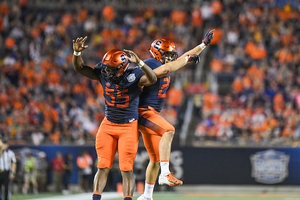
x=81 y=196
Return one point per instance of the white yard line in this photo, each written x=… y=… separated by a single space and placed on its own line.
x=82 y=196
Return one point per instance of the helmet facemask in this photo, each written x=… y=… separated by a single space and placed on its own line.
x=168 y=56
x=163 y=50
x=115 y=65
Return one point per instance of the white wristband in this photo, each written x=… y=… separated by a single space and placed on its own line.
x=186 y=58
x=202 y=46
x=141 y=63
x=77 y=53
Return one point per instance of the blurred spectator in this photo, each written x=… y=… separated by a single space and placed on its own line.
x=37 y=61
x=58 y=169
x=175 y=96
x=258 y=43
x=170 y=114
x=68 y=167
x=18 y=180
x=259 y=52
x=30 y=174
x=108 y=13
x=42 y=170
x=85 y=163
x=37 y=137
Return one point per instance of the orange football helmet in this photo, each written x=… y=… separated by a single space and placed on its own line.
x=163 y=50
x=114 y=64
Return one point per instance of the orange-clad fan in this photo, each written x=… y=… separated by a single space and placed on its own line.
x=218 y=35
x=82 y=15
x=261 y=56
x=237 y=85
x=179 y=17
x=216 y=6
x=216 y=65
x=196 y=17
x=10 y=43
x=109 y=13
x=67 y=19
x=174 y=96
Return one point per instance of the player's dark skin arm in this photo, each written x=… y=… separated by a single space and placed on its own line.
x=149 y=78
x=77 y=60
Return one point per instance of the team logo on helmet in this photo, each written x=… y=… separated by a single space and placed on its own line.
x=163 y=50
x=114 y=64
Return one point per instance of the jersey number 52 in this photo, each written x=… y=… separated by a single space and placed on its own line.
x=162 y=92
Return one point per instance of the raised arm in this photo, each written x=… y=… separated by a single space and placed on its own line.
x=191 y=56
x=149 y=78
x=175 y=65
x=77 y=60
x=205 y=42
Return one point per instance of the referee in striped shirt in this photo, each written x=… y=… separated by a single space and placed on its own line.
x=8 y=165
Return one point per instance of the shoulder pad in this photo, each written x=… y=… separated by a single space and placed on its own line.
x=132 y=66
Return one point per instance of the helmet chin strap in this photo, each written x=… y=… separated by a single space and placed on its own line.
x=162 y=60
x=126 y=67
x=152 y=53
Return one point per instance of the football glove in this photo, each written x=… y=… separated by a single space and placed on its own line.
x=208 y=37
x=193 y=58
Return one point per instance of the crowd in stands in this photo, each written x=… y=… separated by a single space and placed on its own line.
x=258 y=43
x=43 y=100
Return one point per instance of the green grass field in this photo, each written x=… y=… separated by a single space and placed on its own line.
x=33 y=196
x=222 y=197
x=186 y=196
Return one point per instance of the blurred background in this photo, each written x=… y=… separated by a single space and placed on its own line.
x=236 y=113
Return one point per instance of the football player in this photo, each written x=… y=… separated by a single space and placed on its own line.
x=122 y=79
x=156 y=131
x=122 y=84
